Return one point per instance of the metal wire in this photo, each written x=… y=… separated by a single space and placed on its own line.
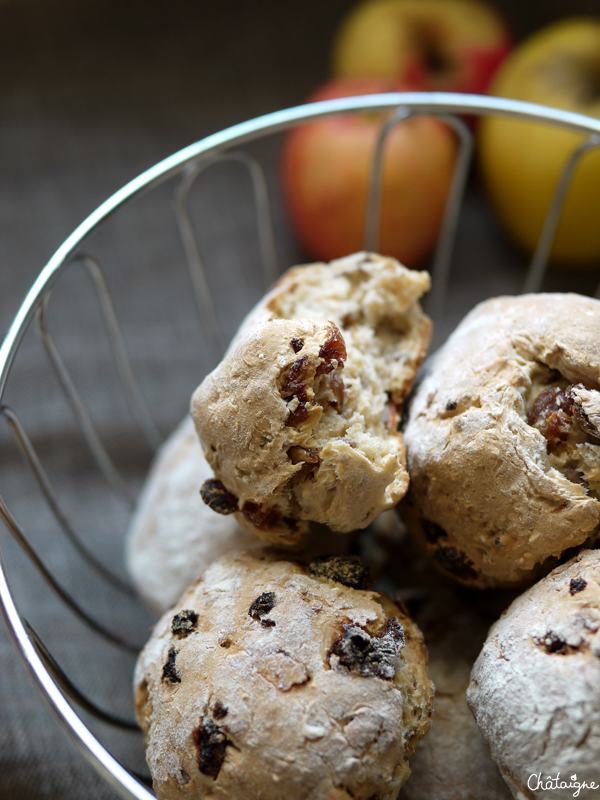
x=95 y=446
x=264 y=227
x=52 y=500
x=19 y=535
x=71 y=691
x=186 y=166
x=535 y=275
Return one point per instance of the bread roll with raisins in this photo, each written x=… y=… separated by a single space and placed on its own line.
x=271 y=680
x=174 y=536
x=300 y=420
x=535 y=687
x=503 y=440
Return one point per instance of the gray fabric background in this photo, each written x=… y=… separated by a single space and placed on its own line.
x=91 y=94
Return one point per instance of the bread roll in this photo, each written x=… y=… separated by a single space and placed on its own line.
x=300 y=420
x=535 y=687
x=271 y=680
x=503 y=440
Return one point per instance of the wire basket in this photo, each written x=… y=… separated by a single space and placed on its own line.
x=92 y=268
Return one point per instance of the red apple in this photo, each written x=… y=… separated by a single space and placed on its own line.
x=326 y=167
x=441 y=45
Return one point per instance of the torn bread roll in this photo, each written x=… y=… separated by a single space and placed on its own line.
x=272 y=680
x=503 y=440
x=535 y=687
x=300 y=420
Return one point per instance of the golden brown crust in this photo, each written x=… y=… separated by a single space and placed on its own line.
x=264 y=689
x=493 y=497
x=300 y=420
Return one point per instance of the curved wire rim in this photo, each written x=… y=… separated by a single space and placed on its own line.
x=422 y=102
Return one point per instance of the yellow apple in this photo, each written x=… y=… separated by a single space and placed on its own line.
x=437 y=45
x=325 y=174
x=521 y=161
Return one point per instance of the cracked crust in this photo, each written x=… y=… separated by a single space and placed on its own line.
x=535 y=688
x=300 y=420
x=504 y=478
x=263 y=706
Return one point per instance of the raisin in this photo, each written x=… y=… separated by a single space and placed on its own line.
x=296 y=378
x=298 y=415
x=261 y=607
x=211 y=743
x=552 y=414
x=348 y=570
x=306 y=455
x=370 y=656
x=184 y=623
x=262 y=519
x=456 y=563
x=333 y=349
x=297 y=345
x=554 y=645
x=451 y=405
x=170 y=673
x=577 y=585
x=432 y=531
x=337 y=387
x=216 y=497
x=219 y=710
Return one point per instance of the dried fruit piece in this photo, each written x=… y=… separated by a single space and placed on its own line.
x=217 y=497
x=349 y=570
x=264 y=519
x=370 y=656
x=577 y=585
x=219 y=710
x=184 y=623
x=333 y=352
x=552 y=414
x=211 y=743
x=306 y=455
x=261 y=607
x=553 y=644
x=455 y=562
x=170 y=673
